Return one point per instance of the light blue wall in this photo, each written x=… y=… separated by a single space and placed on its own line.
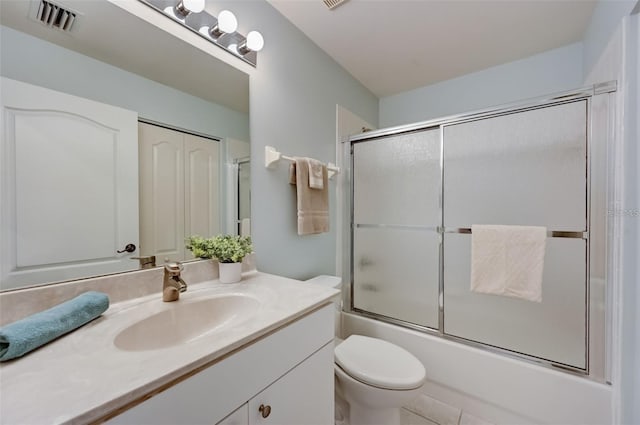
x=605 y=19
x=552 y=71
x=38 y=62
x=294 y=92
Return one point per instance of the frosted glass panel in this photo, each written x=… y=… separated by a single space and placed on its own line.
x=397 y=183
x=553 y=329
x=526 y=168
x=396 y=274
x=397 y=179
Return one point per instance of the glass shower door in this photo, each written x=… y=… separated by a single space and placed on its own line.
x=525 y=168
x=396 y=213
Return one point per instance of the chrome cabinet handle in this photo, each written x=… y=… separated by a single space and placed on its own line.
x=265 y=410
x=129 y=248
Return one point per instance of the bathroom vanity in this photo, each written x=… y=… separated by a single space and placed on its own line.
x=267 y=339
x=269 y=380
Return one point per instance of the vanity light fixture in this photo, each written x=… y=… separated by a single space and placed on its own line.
x=220 y=30
x=227 y=24
x=185 y=7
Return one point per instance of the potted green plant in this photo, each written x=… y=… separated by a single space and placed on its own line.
x=229 y=250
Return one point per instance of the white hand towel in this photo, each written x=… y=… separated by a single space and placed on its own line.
x=313 y=205
x=316 y=170
x=245 y=227
x=508 y=260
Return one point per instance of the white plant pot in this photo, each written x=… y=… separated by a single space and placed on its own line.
x=230 y=272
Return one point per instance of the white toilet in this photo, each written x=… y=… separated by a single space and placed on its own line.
x=374 y=377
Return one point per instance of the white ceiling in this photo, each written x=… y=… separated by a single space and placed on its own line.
x=392 y=46
x=110 y=34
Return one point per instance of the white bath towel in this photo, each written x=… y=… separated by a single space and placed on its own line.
x=316 y=171
x=508 y=260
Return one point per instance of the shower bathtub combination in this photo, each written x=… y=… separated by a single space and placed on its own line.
x=417 y=190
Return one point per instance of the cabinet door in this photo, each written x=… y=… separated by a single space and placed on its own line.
x=303 y=396
x=161 y=192
x=239 y=416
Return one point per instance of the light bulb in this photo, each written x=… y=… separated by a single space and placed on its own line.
x=185 y=7
x=194 y=6
x=227 y=22
x=255 y=41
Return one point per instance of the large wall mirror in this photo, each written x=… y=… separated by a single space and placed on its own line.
x=115 y=134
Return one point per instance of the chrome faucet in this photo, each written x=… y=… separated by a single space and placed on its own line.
x=172 y=284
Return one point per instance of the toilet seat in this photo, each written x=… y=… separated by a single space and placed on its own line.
x=379 y=363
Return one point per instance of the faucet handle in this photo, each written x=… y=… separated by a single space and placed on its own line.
x=146 y=262
x=174 y=268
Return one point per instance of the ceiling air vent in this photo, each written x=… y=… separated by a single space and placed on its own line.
x=55 y=16
x=332 y=4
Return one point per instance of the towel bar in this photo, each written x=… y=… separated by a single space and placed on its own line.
x=550 y=233
x=467 y=230
x=272 y=156
x=396 y=226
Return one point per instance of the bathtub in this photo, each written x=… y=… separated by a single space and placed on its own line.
x=494 y=387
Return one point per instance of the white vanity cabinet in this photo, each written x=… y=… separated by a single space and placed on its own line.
x=289 y=372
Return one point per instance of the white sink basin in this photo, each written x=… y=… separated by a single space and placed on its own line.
x=184 y=321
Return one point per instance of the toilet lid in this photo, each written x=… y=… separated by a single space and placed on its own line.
x=379 y=363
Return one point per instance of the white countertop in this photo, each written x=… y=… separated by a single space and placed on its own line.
x=83 y=376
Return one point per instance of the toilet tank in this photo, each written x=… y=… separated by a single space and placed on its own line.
x=332 y=282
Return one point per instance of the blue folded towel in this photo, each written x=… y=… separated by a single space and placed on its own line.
x=18 y=338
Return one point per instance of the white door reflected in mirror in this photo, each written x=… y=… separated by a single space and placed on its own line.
x=54 y=142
